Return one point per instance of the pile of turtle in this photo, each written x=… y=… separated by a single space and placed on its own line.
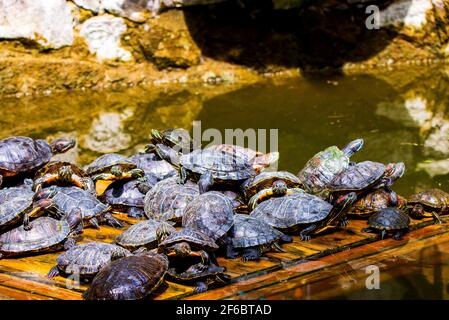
x=193 y=204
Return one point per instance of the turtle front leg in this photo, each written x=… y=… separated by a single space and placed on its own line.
x=206 y=181
x=201 y=286
x=305 y=234
x=367 y=230
x=110 y=220
x=437 y=218
x=250 y=254
x=53 y=272
x=344 y=222
x=398 y=235
x=137 y=213
x=182 y=176
x=231 y=252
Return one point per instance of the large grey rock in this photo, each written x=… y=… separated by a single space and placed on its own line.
x=48 y=23
x=134 y=10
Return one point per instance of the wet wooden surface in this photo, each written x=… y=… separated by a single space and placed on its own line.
x=276 y=276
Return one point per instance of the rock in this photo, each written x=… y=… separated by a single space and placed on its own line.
x=48 y=23
x=102 y=34
x=134 y=10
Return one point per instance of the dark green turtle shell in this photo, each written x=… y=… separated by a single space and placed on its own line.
x=292 y=210
x=433 y=198
x=196 y=239
x=107 y=161
x=358 y=177
x=142 y=234
x=89 y=258
x=23 y=154
x=389 y=219
x=265 y=180
x=251 y=232
x=211 y=212
x=223 y=166
x=46 y=234
x=14 y=202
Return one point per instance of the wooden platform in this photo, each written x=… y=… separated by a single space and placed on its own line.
x=276 y=276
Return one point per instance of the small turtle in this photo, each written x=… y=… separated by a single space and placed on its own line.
x=167 y=200
x=212 y=167
x=86 y=259
x=266 y=180
x=389 y=219
x=43 y=234
x=126 y=197
x=211 y=213
x=202 y=276
x=372 y=202
x=303 y=212
x=59 y=201
x=429 y=203
x=23 y=155
x=252 y=237
x=323 y=167
x=129 y=278
x=113 y=166
x=258 y=160
x=177 y=138
x=186 y=242
x=14 y=204
x=62 y=173
x=143 y=235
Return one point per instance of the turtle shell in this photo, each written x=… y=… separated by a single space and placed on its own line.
x=265 y=180
x=358 y=177
x=211 y=213
x=167 y=199
x=23 y=154
x=46 y=234
x=389 y=219
x=250 y=232
x=292 y=210
x=176 y=137
x=223 y=166
x=433 y=198
x=142 y=234
x=130 y=278
x=107 y=161
x=196 y=239
x=13 y=203
x=87 y=259
x=372 y=202
x=125 y=194
x=159 y=169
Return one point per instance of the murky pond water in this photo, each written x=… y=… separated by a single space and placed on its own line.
x=402 y=117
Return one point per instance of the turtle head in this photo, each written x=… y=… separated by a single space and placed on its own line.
x=156 y=136
x=417 y=211
x=353 y=147
x=279 y=188
x=116 y=171
x=345 y=201
x=46 y=193
x=162 y=232
x=65 y=174
x=182 y=249
x=393 y=172
x=62 y=145
x=75 y=220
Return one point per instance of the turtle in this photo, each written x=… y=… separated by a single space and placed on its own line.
x=130 y=278
x=202 y=276
x=389 y=219
x=113 y=166
x=167 y=199
x=15 y=202
x=210 y=167
x=176 y=138
x=252 y=237
x=85 y=260
x=303 y=212
x=324 y=166
x=44 y=234
x=24 y=155
x=126 y=197
x=59 y=201
x=372 y=202
x=266 y=180
x=211 y=213
x=429 y=203
x=258 y=160
x=155 y=170
x=143 y=235
x=368 y=175
x=62 y=173
x=187 y=242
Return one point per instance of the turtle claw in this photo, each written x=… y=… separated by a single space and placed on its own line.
x=53 y=272
x=305 y=237
x=200 y=287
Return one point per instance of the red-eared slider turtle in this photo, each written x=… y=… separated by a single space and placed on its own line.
x=323 y=167
x=23 y=155
x=64 y=174
x=258 y=160
x=130 y=278
x=267 y=180
x=252 y=237
x=167 y=199
x=212 y=167
x=429 y=203
x=372 y=202
x=202 y=276
x=59 y=201
x=155 y=170
x=177 y=138
x=43 y=234
x=303 y=212
x=389 y=219
x=211 y=213
x=113 y=166
x=186 y=242
x=14 y=204
x=86 y=259
x=126 y=197
x=143 y=235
